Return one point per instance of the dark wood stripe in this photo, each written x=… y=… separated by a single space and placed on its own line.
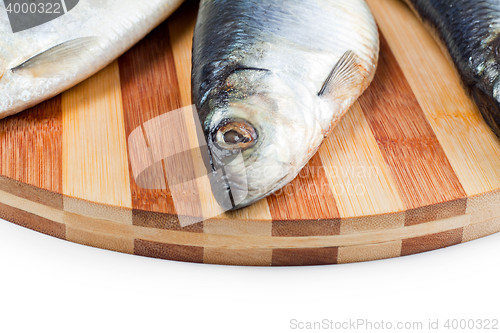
x=423 y=174
x=168 y=251
x=297 y=208
x=431 y=242
x=31 y=146
x=303 y=257
x=33 y=222
x=149 y=88
x=148 y=219
x=306 y=228
x=31 y=193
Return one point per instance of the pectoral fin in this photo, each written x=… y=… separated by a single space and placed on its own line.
x=58 y=59
x=345 y=76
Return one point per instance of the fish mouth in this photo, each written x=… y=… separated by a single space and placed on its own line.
x=230 y=192
x=233 y=190
x=233 y=196
x=230 y=182
x=227 y=145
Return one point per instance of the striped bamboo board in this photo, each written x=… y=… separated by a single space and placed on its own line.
x=411 y=168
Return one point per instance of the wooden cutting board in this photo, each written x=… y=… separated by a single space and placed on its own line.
x=411 y=168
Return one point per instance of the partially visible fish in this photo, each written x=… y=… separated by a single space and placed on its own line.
x=470 y=31
x=39 y=62
x=270 y=80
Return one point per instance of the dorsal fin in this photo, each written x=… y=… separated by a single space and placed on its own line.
x=57 y=59
x=344 y=75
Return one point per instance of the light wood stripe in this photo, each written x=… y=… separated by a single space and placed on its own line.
x=95 y=162
x=351 y=254
x=486 y=209
x=253 y=220
x=488 y=227
x=470 y=145
x=362 y=183
x=259 y=211
x=98 y=211
x=372 y=223
x=101 y=241
x=90 y=237
x=407 y=141
x=252 y=257
x=181 y=28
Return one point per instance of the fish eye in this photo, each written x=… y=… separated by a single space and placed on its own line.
x=235 y=135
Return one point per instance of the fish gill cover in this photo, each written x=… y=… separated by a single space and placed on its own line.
x=27 y=14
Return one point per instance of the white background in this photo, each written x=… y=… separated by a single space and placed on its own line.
x=49 y=285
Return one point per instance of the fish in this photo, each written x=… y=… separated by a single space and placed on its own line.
x=469 y=33
x=270 y=80
x=40 y=61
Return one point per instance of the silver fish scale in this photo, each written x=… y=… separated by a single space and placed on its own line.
x=115 y=24
x=232 y=34
x=262 y=65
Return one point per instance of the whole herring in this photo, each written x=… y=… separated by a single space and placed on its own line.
x=40 y=61
x=470 y=31
x=270 y=80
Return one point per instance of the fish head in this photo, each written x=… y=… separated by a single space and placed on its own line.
x=258 y=136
